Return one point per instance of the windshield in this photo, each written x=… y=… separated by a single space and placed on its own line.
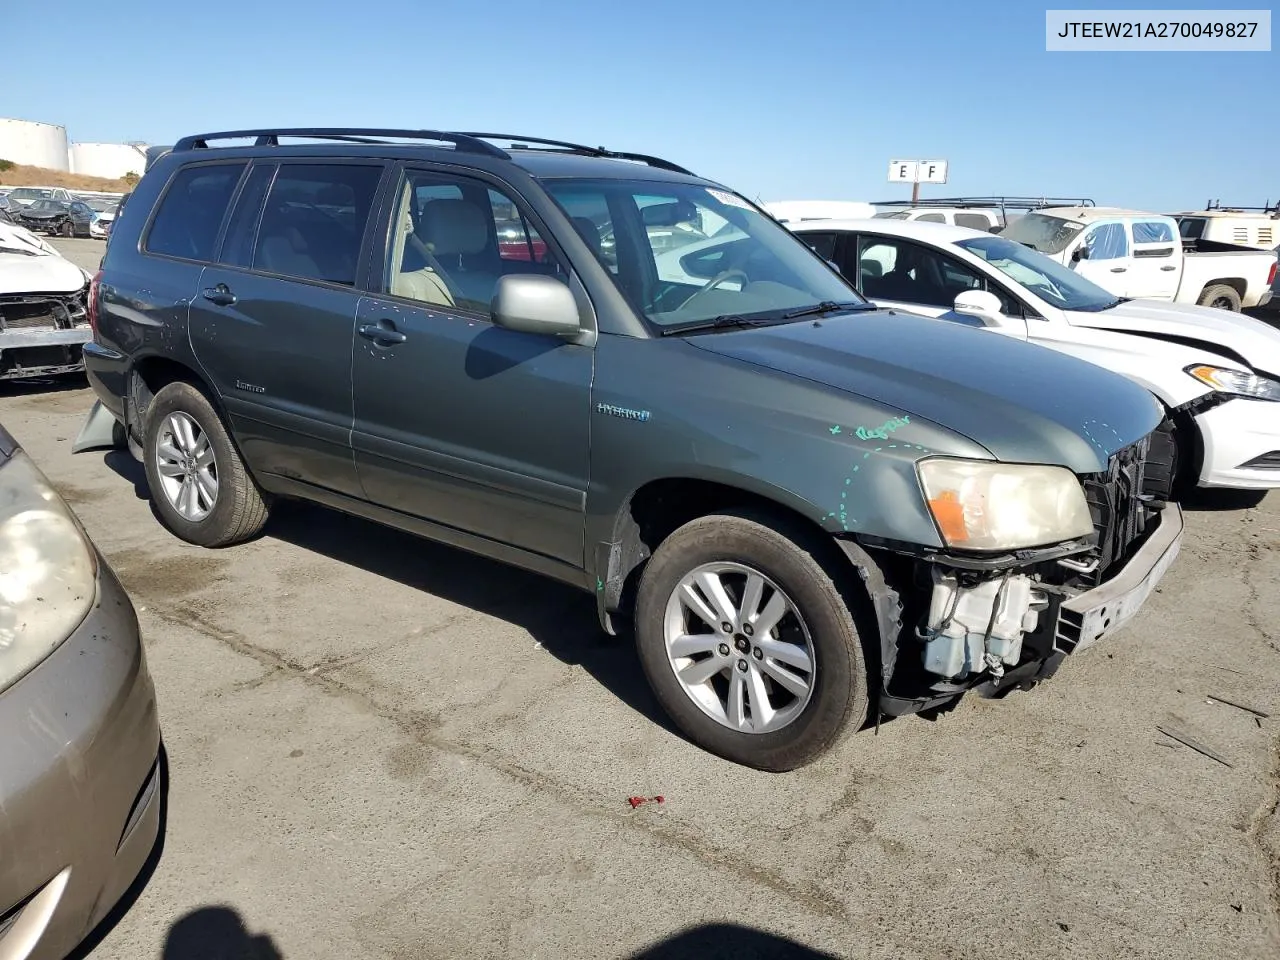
x=44 y=205
x=1040 y=232
x=683 y=253
x=893 y=215
x=1047 y=279
x=30 y=193
x=101 y=206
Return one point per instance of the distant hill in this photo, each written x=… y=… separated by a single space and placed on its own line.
x=20 y=175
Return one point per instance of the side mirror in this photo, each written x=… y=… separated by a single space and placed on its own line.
x=1080 y=253
x=531 y=303
x=982 y=304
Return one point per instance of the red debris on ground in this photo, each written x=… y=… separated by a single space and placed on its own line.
x=636 y=801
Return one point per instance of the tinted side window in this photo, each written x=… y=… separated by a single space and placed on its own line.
x=314 y=220
x=824 y=244
x=237 y=247
x=191 y=211
x=896 y=269
x=974 y=221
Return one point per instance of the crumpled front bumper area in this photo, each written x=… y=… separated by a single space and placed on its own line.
x=42 y=333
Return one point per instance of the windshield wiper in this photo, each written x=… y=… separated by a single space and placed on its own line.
x=827 y=306
x=722 y=322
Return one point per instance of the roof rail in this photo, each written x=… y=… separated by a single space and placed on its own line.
x=1268 y=207
x=517 y=142
x=271 y=138
x=1016 y=203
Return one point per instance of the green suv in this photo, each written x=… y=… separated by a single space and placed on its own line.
x=814 y=513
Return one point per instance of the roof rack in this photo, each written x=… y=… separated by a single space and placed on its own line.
x=1015 y=203
x=517 y=142
x=271 y=138
x=1268 y=207
x=468 y=142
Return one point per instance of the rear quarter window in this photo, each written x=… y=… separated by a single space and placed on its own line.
x=191 y=211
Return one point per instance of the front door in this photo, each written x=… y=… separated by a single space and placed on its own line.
x=896 y=272
x=273 y=319
x=1109 y=260
x=459 y=421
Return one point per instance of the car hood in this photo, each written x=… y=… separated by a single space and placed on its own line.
x=20 y=239
x=42 y=214
x=1021 y=402
x=1219 y=331
x=39 y=273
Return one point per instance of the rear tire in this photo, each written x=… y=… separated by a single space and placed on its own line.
x=186 y=446
x=818 y=629
x=1221 y=297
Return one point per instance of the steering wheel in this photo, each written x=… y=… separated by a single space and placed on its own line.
x=714 y=282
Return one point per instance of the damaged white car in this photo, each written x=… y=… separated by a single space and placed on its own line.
x=44 y=320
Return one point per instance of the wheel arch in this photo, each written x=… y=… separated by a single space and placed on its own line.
x=654 y=510
x=152 y=373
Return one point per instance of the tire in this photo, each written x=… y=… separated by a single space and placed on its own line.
x=819 y=618
x=236 y=510
x=1221 y=296
x=68 y=228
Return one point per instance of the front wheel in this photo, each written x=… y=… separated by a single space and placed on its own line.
x=1222 y=297
x=748 y=643
x=68 y=228
x=198 y=482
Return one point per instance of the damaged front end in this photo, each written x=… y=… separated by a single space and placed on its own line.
x=42 y=333
x=990 y=623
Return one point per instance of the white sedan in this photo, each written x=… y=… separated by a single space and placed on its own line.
x=1217 y=373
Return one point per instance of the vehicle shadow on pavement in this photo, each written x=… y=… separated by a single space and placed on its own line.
x=1215 y=500
x=217 y=933
x=714 y=941
x=560 y=618
x=126 y=902
x=58 y=383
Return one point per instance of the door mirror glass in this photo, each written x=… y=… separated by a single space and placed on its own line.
x=1080 y=253
x=979 y=303
x=535 y=304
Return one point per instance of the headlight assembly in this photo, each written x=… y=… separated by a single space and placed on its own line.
x=48 y=571
x=1239 y=383
x=983 y=505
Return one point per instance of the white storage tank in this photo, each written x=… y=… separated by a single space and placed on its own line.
x=111 y=160
x=35 y=144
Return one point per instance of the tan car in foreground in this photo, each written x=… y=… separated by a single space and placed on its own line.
x=80 y=772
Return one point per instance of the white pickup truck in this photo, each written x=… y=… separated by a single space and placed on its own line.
x=1140 y=255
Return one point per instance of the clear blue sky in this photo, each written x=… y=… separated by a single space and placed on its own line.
x=782 y=100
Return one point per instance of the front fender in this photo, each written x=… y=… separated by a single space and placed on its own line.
x=663 y=410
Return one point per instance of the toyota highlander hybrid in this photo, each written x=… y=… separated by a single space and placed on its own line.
x=815 y=512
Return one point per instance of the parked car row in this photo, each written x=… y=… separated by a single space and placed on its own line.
x=56 y=211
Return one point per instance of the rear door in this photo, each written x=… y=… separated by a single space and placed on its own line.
x=1157 y=254
x=272 y=321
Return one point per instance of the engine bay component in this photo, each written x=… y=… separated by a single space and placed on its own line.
x=977 y=626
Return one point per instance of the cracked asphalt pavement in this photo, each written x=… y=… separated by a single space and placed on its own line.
x=380 y=747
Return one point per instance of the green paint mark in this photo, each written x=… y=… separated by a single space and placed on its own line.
x=882 y=432
x=835 y=429
x=599 y=584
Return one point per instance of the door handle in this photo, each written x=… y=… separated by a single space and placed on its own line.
x=380 y=334
x=1119 y=269
x=221 y=295
x=1169 y=267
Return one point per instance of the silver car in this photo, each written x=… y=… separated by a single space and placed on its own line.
x=80 y=773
